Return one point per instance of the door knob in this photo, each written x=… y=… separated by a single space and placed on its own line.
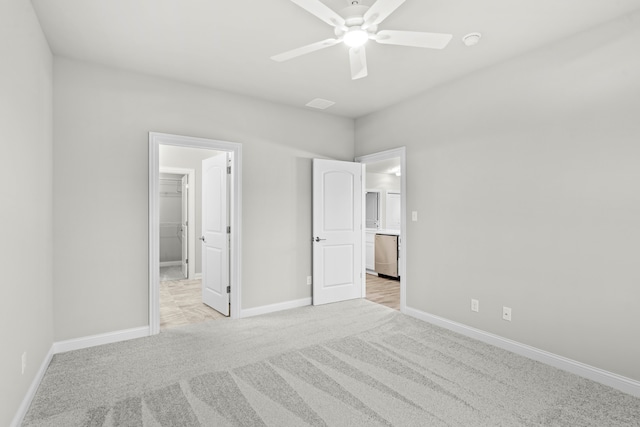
x=319 y=239
x=201 y=238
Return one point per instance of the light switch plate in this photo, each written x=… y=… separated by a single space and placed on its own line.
x=414 y=216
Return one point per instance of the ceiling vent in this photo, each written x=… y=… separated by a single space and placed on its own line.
x=320 y=104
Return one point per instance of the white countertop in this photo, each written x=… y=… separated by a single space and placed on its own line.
x=383 y=231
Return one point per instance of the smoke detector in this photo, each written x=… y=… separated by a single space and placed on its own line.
x=471 y=39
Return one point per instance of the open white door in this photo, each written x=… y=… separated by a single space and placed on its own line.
x=337 y=231
x=184 y=226
x=215 y=240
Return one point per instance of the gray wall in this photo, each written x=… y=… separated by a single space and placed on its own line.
x=191 y=158
x=102 y=118
x=526 y=177
x=26 y=319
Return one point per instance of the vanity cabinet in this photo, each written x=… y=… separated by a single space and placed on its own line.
x=370 y=249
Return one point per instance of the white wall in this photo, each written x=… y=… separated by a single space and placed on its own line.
x=190 y=158
x=526 y=177
x=26 y=322
x=102 y=118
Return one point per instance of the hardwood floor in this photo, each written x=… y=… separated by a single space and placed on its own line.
x=383 y=291
x=181 y=301
x=181 y=304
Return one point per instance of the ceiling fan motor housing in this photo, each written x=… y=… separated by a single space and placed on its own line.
x=357 y=24
x=354 y=19
x=353 y=15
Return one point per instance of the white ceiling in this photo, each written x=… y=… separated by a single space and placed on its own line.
x=227 y=44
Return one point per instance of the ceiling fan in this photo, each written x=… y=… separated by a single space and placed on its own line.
x=356 y=26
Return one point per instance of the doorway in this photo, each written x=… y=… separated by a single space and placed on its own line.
x=233 y=152
x=385 y=183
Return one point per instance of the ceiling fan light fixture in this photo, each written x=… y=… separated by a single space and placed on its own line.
x=356 y=37
x=355 y=25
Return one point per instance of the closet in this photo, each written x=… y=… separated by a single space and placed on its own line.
x=172 y=223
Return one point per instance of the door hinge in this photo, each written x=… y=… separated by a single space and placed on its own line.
x=186 y=261
x=228 y=289
x=228 y=229
x=229 y=170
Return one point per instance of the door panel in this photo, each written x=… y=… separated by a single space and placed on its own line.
x=338 y=190
x=338 y=268
x=215 y=242
x=337 y=231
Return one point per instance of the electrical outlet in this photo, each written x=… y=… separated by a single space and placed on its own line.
x=506 y=313
x=309 y=280
x=24 y=362
x=475 y=305
x=414 y=215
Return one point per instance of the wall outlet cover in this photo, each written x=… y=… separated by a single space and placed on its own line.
x=475 y=305
x=506 y=313
x=309 y=280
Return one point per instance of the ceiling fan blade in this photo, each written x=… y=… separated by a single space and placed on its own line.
x=321 y=11
x=379 y=11
x=413 y=38
x=358 y=59
x=285 y=56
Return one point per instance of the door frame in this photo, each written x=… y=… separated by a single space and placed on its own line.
x=399 y=152
x=235 y=218
x=191 y=215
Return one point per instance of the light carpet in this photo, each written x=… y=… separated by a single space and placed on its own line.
x=353 y=363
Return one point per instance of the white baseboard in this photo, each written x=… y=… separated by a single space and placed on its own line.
x=271 y=308
x=197 y=276
x=170 y=263
x=94 y=340
x=26 y=401
x=624 y=384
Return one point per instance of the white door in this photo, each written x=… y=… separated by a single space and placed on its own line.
x=185 y=223
x=337 y=231
x=215 y=240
